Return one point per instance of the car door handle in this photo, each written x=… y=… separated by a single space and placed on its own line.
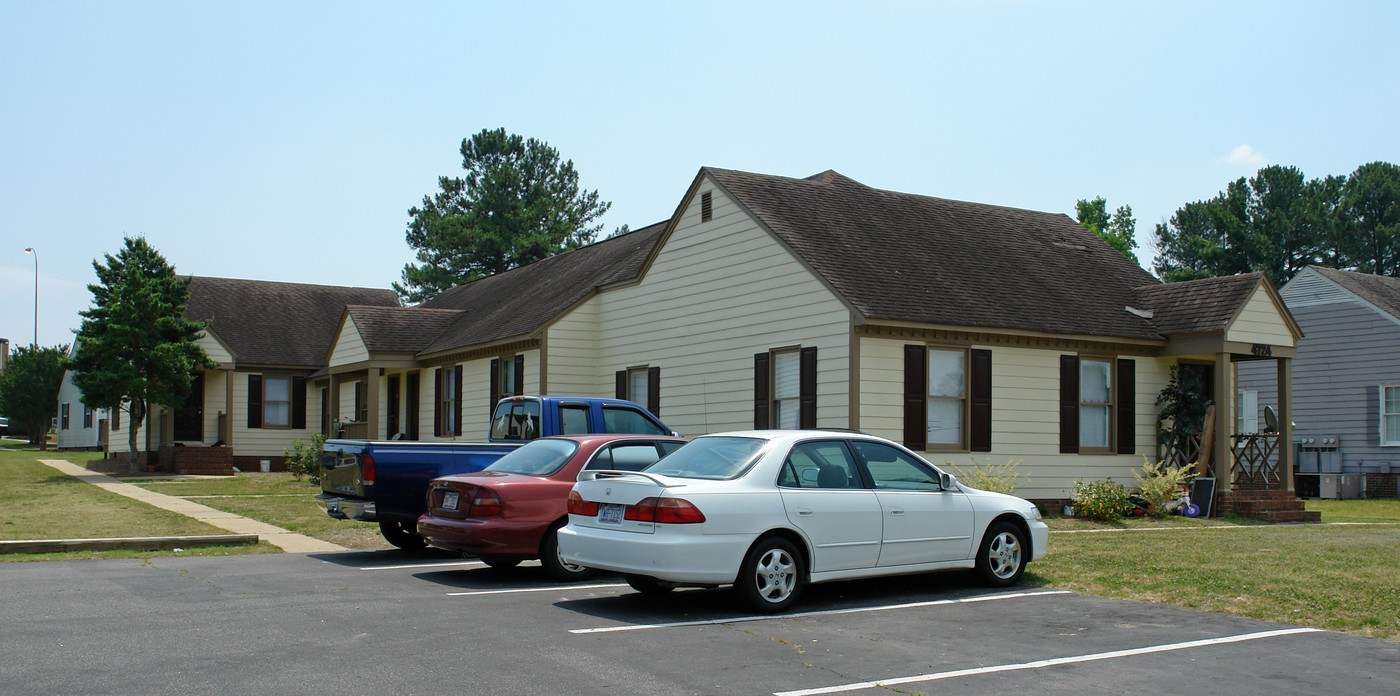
x=804 y=512
x=896 y=511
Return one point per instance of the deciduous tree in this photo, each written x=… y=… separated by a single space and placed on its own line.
x=29 y=390
x=1118 y=230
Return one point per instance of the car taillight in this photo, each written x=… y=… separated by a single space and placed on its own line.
x=366 y=470
x=484 y=503
x=579 y=506
x=664 y=511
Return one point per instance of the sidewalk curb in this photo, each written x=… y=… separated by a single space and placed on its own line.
x=127 y=543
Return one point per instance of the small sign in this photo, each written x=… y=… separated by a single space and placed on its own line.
x=610 y=513
x=449 y=500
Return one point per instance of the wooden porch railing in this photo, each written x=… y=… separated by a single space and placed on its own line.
x=1253 y=462
x=354 y=431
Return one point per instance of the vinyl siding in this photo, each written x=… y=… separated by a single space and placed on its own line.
x=476 y=396
x=1260 y=322
x=349 y=345
x=76 y=435
x=1025 y=415
x=214 y=348
x=572 y=346
x=265 y=442
x=717 y=293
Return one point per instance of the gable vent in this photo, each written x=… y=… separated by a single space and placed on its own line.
x=707 y=209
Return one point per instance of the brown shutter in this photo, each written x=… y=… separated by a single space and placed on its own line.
x=760 y=391
x=1126 y=395
x=411 y=408
x=360 y=402
x=495 y=382
x=622 y=384
x=981 y=418
x=916 y=397
x=457 y=400
x=392 y=399
x=325 y=411
x=519 y=386
x=1069 y=404
x=654 y=390
x=299 y=402
x=255 y=414
x=807 y=389
x=437 y=402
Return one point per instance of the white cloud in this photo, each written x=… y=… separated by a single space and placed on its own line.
x=1244 y=154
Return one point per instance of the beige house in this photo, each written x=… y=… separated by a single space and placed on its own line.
x=966 y=331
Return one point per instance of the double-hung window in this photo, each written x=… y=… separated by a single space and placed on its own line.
x=1095 y=404
x=1390 y=414
x=277 y=402
x=947 y=398
x=786 y=383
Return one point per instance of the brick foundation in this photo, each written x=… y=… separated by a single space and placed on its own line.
x=1265 y=505
x=217 y=461
x=1381 y=486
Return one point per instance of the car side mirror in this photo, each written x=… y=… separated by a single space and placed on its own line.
x=946 y=481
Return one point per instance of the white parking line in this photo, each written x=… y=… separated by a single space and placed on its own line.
x=884 y=683
x=445 y=564
x=532 y=589
x=829 y=612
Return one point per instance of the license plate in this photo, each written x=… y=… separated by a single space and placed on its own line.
x=449 y=500
x=610 y=513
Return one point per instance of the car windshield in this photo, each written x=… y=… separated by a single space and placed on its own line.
x=538 y=458
x=715 y=458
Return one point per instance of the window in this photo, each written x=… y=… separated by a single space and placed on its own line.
x=1247 y=412
x=573 y=419
x=641 y=385
x=618 y=419
x=893 y=469
x=947 y=389
x=785 y=388
x=1390 y=414
x=447 y=401
x=947 y=398
x=516 y=420
x=117 y=418
x=822 y=464
x=277 y=402
x=63 y=417
x=87 y=416
x=361 y=406
x=507 y=378
x=1095 y=403
x=626 y=456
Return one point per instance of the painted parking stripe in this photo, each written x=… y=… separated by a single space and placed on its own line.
x=444 y=564
x=1038 y=664
x=829 y=612
x=552 y=588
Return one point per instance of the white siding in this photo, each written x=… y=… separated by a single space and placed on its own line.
x=216 y=350
x=476 y=396
x=1260 y=322
x=76 y=435
x=264 y=442
x=572 y=345
x=349 y=345
x=717 y=293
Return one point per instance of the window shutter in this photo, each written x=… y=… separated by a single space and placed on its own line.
x=915 y=397
x=299 y=402
x=760 y=390
x=519 y=386
x=654 y=390
x=1126 y=397
x=1069 y=404
x=457 y=400
x=437 y=402
x=411 y=408
x=255 y=415
x=807 y=390
x=495 y=385
x=359 y=401
x=621 y=384
x=980 y=428
x=325 y=411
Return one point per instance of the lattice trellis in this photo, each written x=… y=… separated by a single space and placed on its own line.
x=1254 y=461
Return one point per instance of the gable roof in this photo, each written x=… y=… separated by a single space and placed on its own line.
x=906 y=257
x=1206 y=305
x=401 y=329
x=270 y=323
x=521 y=300
x=1382 y=292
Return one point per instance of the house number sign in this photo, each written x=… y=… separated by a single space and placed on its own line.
x=1263 y=350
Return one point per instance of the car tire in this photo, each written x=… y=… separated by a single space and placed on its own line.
x=648 y=585
x=771 y=577
x=500 y=562
x=554 y=566
x=1003 y=555
x=404 y=535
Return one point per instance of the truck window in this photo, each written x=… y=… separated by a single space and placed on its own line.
x=573 y=419
x=620 y=419
x=516 y=420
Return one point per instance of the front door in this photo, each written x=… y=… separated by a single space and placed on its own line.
x=189 y=417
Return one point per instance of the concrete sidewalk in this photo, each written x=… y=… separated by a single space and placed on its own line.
x=287 y=541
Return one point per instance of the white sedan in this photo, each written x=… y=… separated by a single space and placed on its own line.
x=769 y=511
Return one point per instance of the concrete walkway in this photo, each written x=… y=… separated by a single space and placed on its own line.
x=287 y=541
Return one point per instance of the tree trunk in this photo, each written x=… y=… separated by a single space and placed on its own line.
x=138 y=413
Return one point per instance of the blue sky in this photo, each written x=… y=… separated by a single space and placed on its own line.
x=286 y=140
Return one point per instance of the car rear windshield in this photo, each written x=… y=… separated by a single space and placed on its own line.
x=538 y=458
x=717 y=458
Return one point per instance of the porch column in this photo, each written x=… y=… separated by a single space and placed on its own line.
x=1220 y=455
x=372 y=403
x=1285 y=421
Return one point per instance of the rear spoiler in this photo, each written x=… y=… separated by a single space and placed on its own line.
x=595 y=474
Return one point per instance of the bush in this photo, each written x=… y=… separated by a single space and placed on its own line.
x=1101 y=500
x=305 y=459
x=1160 y=484
x=997 y=478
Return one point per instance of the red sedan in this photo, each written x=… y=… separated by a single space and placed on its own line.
x=511 y=510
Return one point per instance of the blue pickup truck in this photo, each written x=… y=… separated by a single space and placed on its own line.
x=386 y=481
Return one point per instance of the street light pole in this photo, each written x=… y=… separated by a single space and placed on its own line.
x=30 y=250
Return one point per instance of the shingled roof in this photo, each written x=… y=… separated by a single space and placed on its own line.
x=269 y=323
x=905 y=257
x=400 y=329
x=1381 y=291
x=519 y=301
x=1196 y=306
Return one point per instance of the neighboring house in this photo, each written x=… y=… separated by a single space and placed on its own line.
x=268 y=338
x=966 y=331
x=79 y=426
x=1346 y=383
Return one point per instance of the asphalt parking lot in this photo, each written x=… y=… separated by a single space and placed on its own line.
x=389 y=622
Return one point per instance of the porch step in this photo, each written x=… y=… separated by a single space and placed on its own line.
x=1266 y=505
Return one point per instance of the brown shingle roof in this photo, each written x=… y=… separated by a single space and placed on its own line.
x=1196 y=306
x=270 y=323
x=906 y=257
x=522 y=300
x=1381 y=291
x=400 y=328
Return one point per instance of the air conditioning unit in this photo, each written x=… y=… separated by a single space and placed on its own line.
x=1339 y=486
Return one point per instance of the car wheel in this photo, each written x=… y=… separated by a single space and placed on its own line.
x=403 y=535
x=553 y=564
x=500 y=562
x=1003 y=556
x=648 y=585
x=771 y=577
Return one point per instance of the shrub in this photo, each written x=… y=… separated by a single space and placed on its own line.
x=304 y=459
x=1160 y=484
x=997 y=478
x=1101 y=500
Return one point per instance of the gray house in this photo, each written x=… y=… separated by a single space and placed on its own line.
x=1346 y=384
